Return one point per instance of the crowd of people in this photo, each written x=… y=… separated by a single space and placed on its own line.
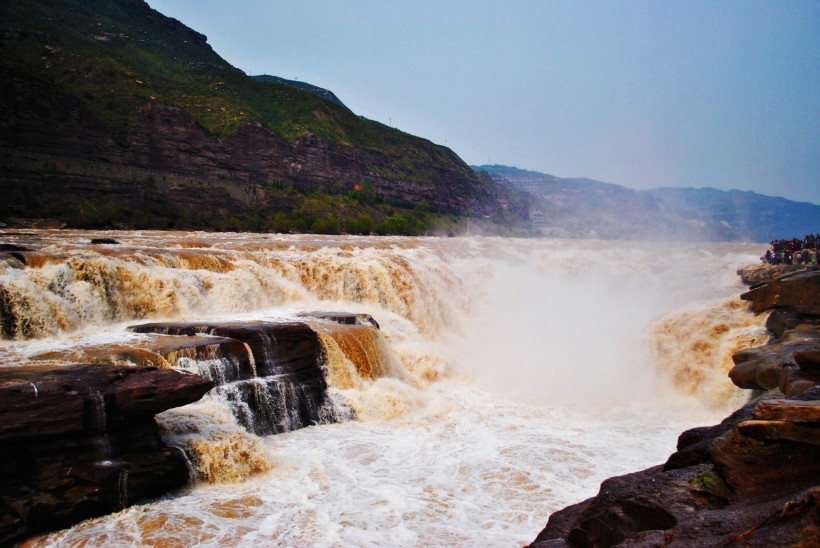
x=794 y=251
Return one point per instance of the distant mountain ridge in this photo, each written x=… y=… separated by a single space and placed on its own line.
x=585 y=207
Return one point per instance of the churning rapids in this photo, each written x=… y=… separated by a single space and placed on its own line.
x=513 y=375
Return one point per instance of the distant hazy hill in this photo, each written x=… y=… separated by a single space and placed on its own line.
x=114 y=114
x=574 y=207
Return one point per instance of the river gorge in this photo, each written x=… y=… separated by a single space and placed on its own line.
x=467 y=387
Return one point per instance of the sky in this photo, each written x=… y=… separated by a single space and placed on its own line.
x=641 y=93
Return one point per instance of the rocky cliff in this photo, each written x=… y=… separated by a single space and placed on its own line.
x=110 y=105
x=753 y=479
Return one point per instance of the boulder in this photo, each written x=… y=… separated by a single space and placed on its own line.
x=219 y=359
x=80 y=441
x=774 y=365
x=287 y=389
x=276 y=347
x=795 y=411
x=780 y=321
x=808 y=361
x=12 y=247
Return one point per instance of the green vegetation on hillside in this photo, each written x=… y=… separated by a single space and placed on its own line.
x=314 y=213
x=114 y=59
x=98 y=96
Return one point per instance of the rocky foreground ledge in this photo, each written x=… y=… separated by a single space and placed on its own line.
x=78 y=441
x=753 y=479
x=82 y=441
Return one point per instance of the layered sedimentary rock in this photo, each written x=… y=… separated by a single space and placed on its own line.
x=758 y=273
x=799 y=292
x=275 y=382
x=753 y=479
x=787 y=363
x=174 y=120
x=81 y=441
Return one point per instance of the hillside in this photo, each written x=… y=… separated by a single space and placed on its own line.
x=584 y=207
x=113 y=114
x=322 y=93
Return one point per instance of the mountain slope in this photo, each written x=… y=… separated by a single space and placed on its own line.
x=322 y=93
x=110 y=103
x=584 y=207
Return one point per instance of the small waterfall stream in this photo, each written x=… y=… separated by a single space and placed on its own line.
x=99 y=422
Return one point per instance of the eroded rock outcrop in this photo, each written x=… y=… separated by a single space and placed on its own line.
x=275 y=380
x=760 y=273
x=753 y=479
x=787 y=362
x=799 y=292
x=80 y=441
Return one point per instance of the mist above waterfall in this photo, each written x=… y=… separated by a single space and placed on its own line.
x=571 y=321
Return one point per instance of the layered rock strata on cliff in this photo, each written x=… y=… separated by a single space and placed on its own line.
x=81 y=440
x=753 y=479
x=174 y=120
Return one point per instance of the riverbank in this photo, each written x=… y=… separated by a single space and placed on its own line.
x=753 y=479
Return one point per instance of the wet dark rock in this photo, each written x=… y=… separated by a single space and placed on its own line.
x=14 y=254
x=13 y=247
x=344 y=318
x=286 y=389
x=795 y=322
x=80 y=441
x=780 y=321
x=276 y=347
x=774 y=365
x=100 y=241
x=720 y=487
x=693 y=444
x=176 y=351
x=808 y=361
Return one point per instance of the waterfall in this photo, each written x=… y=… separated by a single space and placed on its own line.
x=273 y=377
x=507 y=378
x=99 y=424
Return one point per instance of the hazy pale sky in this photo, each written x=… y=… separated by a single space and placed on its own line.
x=642 y=93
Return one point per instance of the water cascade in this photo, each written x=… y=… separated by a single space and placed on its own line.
x=277 y=386
x=99 y=424
x=504 y=379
